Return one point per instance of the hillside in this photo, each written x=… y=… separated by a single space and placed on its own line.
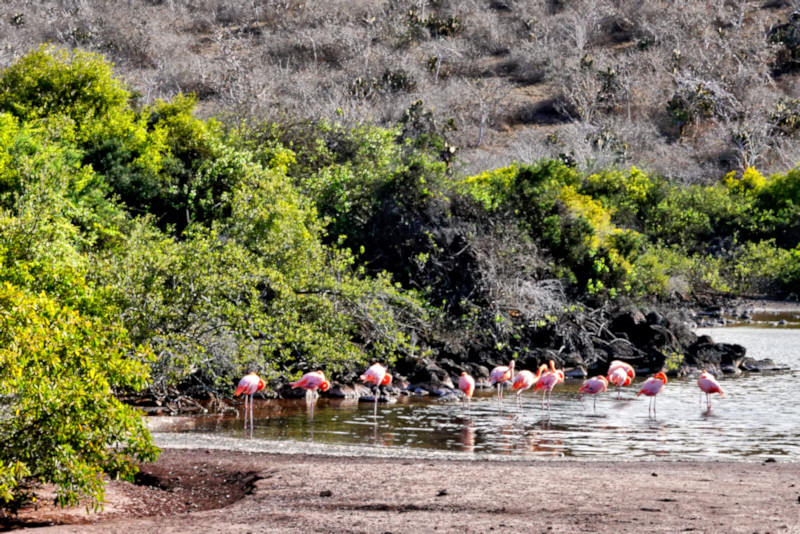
x=688 y=90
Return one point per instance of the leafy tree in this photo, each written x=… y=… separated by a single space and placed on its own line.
x=60 y=420
x=51 y=81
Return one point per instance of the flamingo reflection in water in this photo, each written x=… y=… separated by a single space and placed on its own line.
x=468 y=437
x=248 y=386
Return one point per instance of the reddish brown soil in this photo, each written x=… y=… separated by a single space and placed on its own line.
x=299 y=493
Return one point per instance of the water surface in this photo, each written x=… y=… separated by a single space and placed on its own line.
x=755 y=420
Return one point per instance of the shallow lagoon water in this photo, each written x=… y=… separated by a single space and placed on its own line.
x=756 y=419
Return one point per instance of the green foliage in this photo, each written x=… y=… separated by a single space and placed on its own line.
x=51 y=81
x=59 y=419
x=627 y=194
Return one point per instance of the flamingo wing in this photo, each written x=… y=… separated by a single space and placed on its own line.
x=249 y=385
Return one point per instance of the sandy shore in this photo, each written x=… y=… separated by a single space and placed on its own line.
x=317 y=493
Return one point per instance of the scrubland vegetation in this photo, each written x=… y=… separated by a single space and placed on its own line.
x=689 y=90
x=283 y=186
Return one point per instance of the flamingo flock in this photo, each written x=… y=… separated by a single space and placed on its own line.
x=620 y=374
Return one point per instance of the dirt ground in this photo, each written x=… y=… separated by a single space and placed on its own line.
x=223 y=491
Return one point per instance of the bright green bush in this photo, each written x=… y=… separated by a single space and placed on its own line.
x=52 y=81
x=60 y=421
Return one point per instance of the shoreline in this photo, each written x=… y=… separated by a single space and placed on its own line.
x=220 y=444
x=291 y=492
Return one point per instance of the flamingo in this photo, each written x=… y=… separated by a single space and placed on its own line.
x=547 y=381
x=525 y=380
x=248 y=385
x=500 y=375
x=311 y=382
x=467 y=384
x=593 y=386
x=652 y=387
x=620 y=374
x=709 y=385
x=378 y=376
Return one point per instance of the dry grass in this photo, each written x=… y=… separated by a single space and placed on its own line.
x=593 y=75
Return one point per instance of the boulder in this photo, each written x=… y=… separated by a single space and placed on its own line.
x=352 y=391
x=757 y=366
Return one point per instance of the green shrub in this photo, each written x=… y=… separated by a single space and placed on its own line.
x=60 y=420
x=52 y=81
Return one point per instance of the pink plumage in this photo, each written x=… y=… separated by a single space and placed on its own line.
x=376 y=375
x=524 y=380
x=619 y=377
x=595 y=385
x=466 y=384
x=312 y=382
x=501 y=374
x=249 y=385
x=653 y=385
x=549 y=380
x=708 y=384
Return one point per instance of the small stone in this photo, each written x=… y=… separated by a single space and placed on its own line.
x=442 y=493
x=655 y=474
x=325 y=493
x=770 y=461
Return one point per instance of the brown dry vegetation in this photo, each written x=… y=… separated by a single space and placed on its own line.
x=683 y=88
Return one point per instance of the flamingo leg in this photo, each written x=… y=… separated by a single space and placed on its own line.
x=377 y=395
x=619 y=392
x=595 y=403
x=581 y=400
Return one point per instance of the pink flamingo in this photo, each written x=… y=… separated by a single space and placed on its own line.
x=620 y=374
x=500 y=375
x=709 y=385
x=467 y=384
x=593 y=386
x=377 y=376
x=525 y=380
x=652 y=387
x=248 y=385
x=547 y=381
x=311 y=382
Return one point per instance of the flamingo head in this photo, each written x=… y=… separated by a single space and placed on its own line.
x=387 y=379
x=261 y=385
x=661 y=376
x=552 y=366
x=542 y=369
x=325 y=386
x=511 y=365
